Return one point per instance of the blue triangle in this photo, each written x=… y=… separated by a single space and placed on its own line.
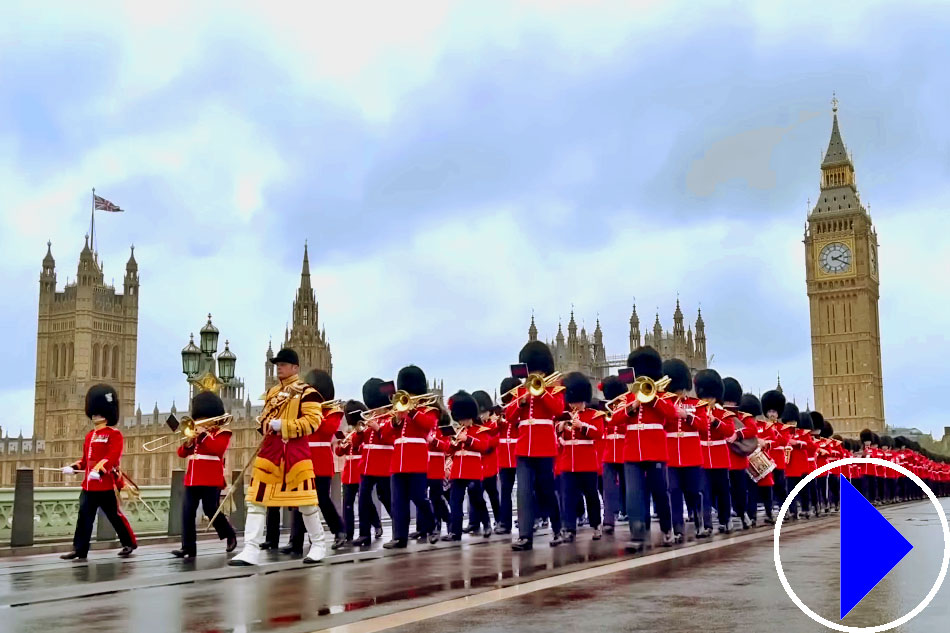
x=870 y=547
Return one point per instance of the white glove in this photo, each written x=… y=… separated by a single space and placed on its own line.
x=95 y=476
x=68 y=470
x=275 y=426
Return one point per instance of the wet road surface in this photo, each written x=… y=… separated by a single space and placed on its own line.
x=722 y=589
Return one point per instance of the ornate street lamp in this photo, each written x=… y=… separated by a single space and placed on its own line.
x=209 y=338
x=226 y=363
x=190 y=358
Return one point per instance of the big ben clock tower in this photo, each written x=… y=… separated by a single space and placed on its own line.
x=841 y=270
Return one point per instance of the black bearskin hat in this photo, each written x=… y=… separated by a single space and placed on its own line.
x=507 y=385
x=103 y=400
x=805 y=421
x=750 y=404
x=646 y=361
x=867 y=436
x=577 y=388
x=678 y=373
x=817 y=420
x=773 y=400
x=321 y=381
x=790 y=413
x=828 y=430
x=886 y=441
x=875 y=439
x=484 y=401
x=352 y=410
x=537 y=356
x=900 y=442
x=206 y=404
x=412 y=380
x=708 y=384
x=612 y=387
x=463 y=407
x=731 y=390
x=373 y=395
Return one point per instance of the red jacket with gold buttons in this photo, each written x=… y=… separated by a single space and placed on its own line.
x=321 y=451
x=745 y=428
x=534 y=418
x=804 y=450
x=645 y=430
x=101 y=452
x=579 y=453
x=436 y=455
x=409 y=435
x=615 y=429
x=206 y=458
x=507 y=444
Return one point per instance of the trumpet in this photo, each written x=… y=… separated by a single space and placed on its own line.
x=189 y=429
x=646 y=388
x=536 y=384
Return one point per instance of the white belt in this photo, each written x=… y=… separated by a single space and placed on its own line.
x=209 y=458
x=811 y=459
x=644 y=427
x=508 y=440
x=349 y=457
x=535 y=422
x=316 y=444
x=683 y=434
x=411 y=440
x=714 y=443
x=381 y=447
x=578 y=442
x=435 y=454
x=616 y=436
x=467 y=454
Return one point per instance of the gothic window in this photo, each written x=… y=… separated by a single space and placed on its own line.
x=62 y=360
x=55 y=362
x=71 y=352
x=115 y=361
x=105 y=361
x=95 y=360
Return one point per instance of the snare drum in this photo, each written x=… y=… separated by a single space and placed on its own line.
x=760 y=465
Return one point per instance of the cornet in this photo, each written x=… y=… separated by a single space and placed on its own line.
x=190 y=429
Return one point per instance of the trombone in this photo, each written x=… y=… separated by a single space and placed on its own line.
x=646 y=388
x=402 y=401
x=189 y=429
x=536 y=384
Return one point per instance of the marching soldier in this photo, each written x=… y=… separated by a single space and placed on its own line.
x=798 y=460
x=716 y=430
x=739 y=481
x=101 y=476
x=533 y=416
x=377 y=458
x=684 y=452
x=350 y=449
x=488 y=419
x=282 y=475
x=204 y=478
x=507 y=458
x=776 y=439
x=321 y=454
x=615 y=429
x=466 y=448
x=579 y=428
x=437 y=476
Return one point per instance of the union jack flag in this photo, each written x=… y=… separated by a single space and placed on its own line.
x=104 y=205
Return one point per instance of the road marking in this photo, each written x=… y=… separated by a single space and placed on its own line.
x=447 y=607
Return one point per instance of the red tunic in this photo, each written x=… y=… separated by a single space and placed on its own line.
x=101 y=452
x=715 y=424
x=410 y=440
x=769 y=434
x=321 y=452
x=377 y=452
x=683 y=446
x=645 y=431
x=490 y=457
x=507 y=444
x=615 y=429
x=436 y=468
x=467 y=456
x=803 y=454
x=579 y=454
x=206 y=459
x=745 y=428
x=352 y=458
x=534 y=418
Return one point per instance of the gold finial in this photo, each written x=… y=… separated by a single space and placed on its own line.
x=834 y=103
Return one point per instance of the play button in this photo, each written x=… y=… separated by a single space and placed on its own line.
x=870 y=547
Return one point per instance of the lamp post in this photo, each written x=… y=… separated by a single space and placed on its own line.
x=198 y=364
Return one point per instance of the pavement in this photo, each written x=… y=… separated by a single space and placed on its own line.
x=724 y=584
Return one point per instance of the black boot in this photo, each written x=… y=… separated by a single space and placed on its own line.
x=522 y=545
x=362 y=541
x=126 y=551
x=396 y=544
x=73 y=556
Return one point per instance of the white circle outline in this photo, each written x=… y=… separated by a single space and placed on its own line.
x=880 y=627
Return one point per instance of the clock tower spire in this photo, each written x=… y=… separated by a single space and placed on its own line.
x=843 y=291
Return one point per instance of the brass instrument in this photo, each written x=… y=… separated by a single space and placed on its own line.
x=402 y=401
x=346 y=441
x=536 y=385
x=332 y=404
x=646 y=388
x=378 y=412
x=616 y=404
x=189 y=429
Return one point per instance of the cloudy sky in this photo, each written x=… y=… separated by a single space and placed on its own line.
x=456 y=166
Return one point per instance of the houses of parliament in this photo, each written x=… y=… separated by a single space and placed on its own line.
x=88 y=333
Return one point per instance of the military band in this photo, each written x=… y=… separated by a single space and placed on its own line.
x=661 y=443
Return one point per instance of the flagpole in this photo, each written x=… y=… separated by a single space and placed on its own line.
x=92 y=239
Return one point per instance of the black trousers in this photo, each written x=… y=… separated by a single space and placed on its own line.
x=440 y=509
x=209 y=498
x=536 y=477
x=350 y=492
x=686 y=485
x=576 y=489
x=716 y=490
x=765 y=497
x=739 y=486
x=412 y=487
x=89 y=502
x=327 y=508
x=645 y=480
x=615 y=487
x=506 y=477
x=490 y=487
x=805 y=498
x=366 y=507
x=834 y=491
x=456 y=500
x=272 y=530
x=779 y=489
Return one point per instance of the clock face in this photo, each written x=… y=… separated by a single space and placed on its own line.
x=873 y=253
x=835 y=258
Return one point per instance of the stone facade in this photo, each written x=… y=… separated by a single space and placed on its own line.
x=841 y=270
